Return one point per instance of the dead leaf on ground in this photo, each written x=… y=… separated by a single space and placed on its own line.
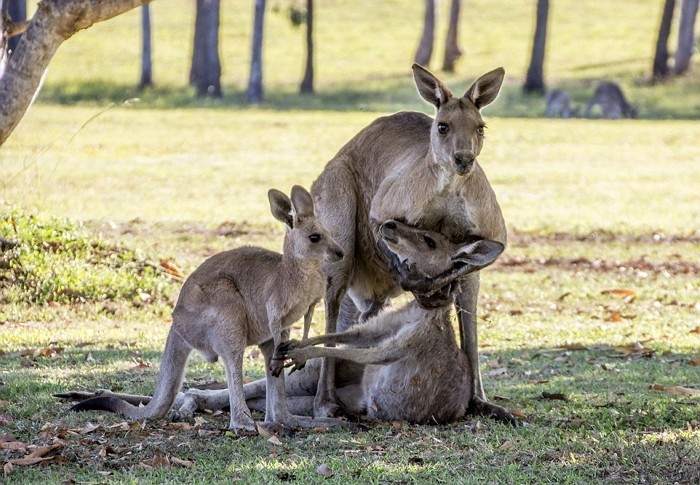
x=179 y=426
x=696 y=329
x=89 y=428
x=182 y=463
x=507 y=445
x=498 y=372
x=679 y=390
x=171 y=268
x=159 y=460
x=12 y=445
x=695 y=361
x=274 y=440
x=628 y=295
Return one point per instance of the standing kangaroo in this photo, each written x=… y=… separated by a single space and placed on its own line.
x=242 y=297
x=423 y=172
x=414 y=369
x=613 y=105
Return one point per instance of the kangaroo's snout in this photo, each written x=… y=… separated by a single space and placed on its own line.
x=334 y=253
x=464 y=162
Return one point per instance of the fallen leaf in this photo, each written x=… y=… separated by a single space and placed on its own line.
x=7 y=468
x=324 y=470
x=680 y=390
x=620 y=293
x=171 y=268
x=275 y=441
x=695 y=361
x=182 y=463
x=507 y=445
x=13 y=445
x=696 y=329
x=179 y=426
x=159 y=460
x=89 y=428
x=199 y=421
x=615 y=316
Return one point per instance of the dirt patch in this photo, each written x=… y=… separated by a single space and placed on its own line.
x=674 y=267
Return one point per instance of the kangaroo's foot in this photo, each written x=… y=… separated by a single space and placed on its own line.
x=483 y=407
x=242 y=424
x=293 y=421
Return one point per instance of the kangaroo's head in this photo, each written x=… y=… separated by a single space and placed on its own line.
x=306 y=237
x=457 y=134
x=432 y=254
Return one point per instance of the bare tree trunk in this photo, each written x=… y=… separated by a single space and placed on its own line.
x=18 y=12
x=255 y=82
x=146 y=57
x=307 y=84
x=660 y=67
x=534 y=81
x=452 y=49
x=686 y=36
x=54 y=22
x=205 y=73
x=425 y=47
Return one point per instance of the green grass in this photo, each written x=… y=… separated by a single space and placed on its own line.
x=591 y=206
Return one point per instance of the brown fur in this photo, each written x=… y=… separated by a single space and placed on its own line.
x=414 y=369
x=245 y=296
x=402 y=167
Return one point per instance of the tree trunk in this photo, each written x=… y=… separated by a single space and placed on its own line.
x=452 y=49
x=534 y=81
x=54 y=22
x=660 y=67
x=255 y=82
x=425 y=47
x=146 y=57
x=686 y=36
x=18 y=12
x=307 y=84
x=205 y=73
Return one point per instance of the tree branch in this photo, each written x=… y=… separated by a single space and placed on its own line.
x=54 y=22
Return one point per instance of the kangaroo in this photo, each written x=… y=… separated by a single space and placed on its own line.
x=613 y=105
x=399 y=365
x=242 y=297
x=424 y=172
x=559 y=105
x=414 y=369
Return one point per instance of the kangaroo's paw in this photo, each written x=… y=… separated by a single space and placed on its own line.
x=493 y=411
x=82 y=395
x=326 y=409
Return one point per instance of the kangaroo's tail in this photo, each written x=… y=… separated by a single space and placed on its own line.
x=172 y=371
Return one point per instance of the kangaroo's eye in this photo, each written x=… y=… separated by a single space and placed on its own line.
x=443 y=128
x=314 y=238
x=429 y=241
x=480 y=131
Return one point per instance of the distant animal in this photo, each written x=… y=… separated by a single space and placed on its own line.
x=611 y=100
x=242 y=297
x=414 y=370
x=559 y=105
x=424 y=172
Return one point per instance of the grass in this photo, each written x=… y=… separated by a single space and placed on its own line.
x=596 y=298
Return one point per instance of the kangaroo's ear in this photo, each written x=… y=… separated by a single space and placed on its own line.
x=302 y=203
x=479 y=254
x=429 y=87
x=485 y=89
x=281 y=207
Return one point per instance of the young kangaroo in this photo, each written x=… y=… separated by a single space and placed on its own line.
x=242 y=297
x=613 y=105
x=423 y=172
x=414 y=369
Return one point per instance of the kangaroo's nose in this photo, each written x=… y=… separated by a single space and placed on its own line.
x=339 y=254
x=464 y=162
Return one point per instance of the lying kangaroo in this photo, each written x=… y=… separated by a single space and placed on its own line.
x=241 y=297
x=559 y=105
x=414 y=369
x=423 y=172
x=613 y=105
